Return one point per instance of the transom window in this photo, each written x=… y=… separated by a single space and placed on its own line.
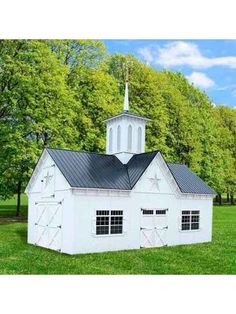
x=109 y=222
x=190 y=220
x=148 y=212
x=161 y=212
x=154 y=212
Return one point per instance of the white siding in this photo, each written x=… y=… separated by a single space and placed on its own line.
x=143 y=196
x=62 y=193
x=85 y=219
x=79 y=206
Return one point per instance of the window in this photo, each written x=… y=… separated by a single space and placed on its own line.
x=109 y=222
x=110 y=140
x=102 y=222
x=190 y=219
x=154 y=212
x=129 y=138
x=118 y=138
x=161 y=212
x=139 y=147
x=147 y=212
x=116 y=221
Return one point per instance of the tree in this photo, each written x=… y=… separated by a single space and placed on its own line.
x=35 y=102
x=94 y=88
x=58 y=93
x=226 y=118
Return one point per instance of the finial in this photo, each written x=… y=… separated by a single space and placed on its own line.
x=126 y=100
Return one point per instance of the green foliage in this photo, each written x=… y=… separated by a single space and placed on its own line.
x=216 y=257
x=35 y=102
x=58 y=93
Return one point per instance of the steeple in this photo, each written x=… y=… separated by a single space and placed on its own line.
x=125 y=131
x=126 y=100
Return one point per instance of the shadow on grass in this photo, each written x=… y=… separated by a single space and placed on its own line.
x=9 y=211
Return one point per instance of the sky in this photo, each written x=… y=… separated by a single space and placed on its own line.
x=208 y=64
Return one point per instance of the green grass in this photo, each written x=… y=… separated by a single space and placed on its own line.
x=218 y=257
x=8 y=207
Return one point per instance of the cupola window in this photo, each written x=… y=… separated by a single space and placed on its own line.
x=129 y=138
x=110 y=140
x=139 y=148
x=118 y=138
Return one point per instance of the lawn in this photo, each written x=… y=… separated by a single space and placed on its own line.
x=8 y=207
x=218 y=257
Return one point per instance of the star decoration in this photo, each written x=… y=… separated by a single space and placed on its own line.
x=48 y=178
x=155 y=182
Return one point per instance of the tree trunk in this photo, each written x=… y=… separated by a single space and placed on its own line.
x=220 y=199
x=228 y=197
x=18 y=199
x=232 y=199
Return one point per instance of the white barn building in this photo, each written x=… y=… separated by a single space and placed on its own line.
x=82 y=202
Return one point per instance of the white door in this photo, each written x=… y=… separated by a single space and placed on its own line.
x=153 y=227
x=48 y=225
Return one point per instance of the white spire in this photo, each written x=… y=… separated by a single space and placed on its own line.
x=126 y=100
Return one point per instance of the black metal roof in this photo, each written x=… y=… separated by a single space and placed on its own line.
x=188 y=181
x=137 y=165
x=92 y=170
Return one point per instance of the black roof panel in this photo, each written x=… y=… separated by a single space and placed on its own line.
x=137 y=165
x=188 y=181
x=91 y=170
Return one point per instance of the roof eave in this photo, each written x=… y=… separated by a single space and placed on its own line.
x=127 y=114
x=100 y=189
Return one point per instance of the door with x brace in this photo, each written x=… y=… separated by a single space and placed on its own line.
x=48 y=225
x=153 y=227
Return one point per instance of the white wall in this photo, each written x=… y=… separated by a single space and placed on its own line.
x=79 y=206
x=167 y=198
x=62 y=193
x=85 y=238
x=144 y=195
x=204 y=234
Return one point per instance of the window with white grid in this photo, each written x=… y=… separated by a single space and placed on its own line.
x=109 y=222
x=190 y=220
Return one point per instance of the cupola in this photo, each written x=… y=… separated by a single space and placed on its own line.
x=125 y=134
